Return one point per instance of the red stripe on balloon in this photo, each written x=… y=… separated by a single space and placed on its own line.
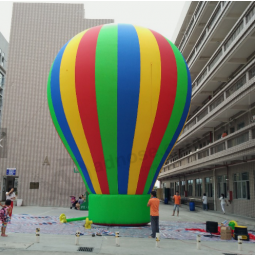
x=166 y=101
x=86 y=98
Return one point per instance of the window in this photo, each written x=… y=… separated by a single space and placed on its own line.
x=240 y=125
x=171 y=189
x=198 y=187
x=232 y=130
x=177 y=186
x=182 y=188
x=222 y=185
x=190 y=187
x=241 y=185
x=209 y=187
x=34 y=185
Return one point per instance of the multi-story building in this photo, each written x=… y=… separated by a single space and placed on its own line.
x=3 y=66
x=45 y=173
x=215 y=153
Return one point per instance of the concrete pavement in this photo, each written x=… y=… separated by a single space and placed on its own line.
x=18 y=243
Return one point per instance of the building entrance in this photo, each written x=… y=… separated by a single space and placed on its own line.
x=7 y=183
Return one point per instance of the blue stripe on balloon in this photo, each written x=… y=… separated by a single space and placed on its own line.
x=60 y=115
x=178 y=130
x=127 y=102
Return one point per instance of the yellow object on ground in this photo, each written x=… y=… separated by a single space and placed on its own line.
x=62 y=218
x=88 y=223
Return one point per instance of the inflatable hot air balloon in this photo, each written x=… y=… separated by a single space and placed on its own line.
x=119 y=96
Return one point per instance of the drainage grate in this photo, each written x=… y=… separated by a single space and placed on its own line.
x=230 y=253
x=86 y=249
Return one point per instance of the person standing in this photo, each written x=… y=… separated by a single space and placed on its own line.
x=223 y=201
x=177 y=202
x=154 y=212
x=204 y=199
x=5 y=216
x=10 y=195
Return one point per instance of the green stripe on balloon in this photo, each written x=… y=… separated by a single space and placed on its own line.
x=106 y=96
x=180 y=100
x=60 y=133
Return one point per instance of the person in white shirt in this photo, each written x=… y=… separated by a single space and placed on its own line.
x=10 y=195
x=204 y=199
x=223 y=201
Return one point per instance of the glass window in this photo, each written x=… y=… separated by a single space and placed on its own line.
x=190 y=187
x=252 y=72
x=240 y=125
x=182 y=188
x=222 y=185
x=209 y=186
x=241 y=186
x=198 y=187
x=177 y=186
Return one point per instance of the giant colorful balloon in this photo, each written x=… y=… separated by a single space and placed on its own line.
x=119 y=96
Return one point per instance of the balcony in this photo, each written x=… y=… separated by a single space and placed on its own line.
x=195 y=26
x=232 y=53
x=219 y=24
x=231 y=147
x=241 y=87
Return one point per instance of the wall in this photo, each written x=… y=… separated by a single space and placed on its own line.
x=38 y=32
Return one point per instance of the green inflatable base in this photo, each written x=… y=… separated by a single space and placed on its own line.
x=119 y=210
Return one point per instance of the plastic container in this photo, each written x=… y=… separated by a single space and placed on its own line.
x=166 y=201
x=192 y=206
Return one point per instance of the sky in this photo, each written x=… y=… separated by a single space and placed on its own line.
x=163 y=17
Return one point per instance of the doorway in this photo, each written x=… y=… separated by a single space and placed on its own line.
x=9 y=182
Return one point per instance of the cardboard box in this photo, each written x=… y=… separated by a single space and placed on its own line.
x=225 y=233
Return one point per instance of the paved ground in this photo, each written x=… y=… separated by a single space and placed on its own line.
x=64 y=244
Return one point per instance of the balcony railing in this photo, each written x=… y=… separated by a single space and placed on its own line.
x=224 y=144
x=232 y=87
x=250 y=14
x=235 y=34
x=191 y=24
x=237 y=85
x=218 y=148
x=238 y=140
x=202 y=115
x=214 y=16
x=220 y=8
x=217 y=102
x=215 y=60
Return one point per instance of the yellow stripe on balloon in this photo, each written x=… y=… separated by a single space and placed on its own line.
x=150 y=80
x=70 y=105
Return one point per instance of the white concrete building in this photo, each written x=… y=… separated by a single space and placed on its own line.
x=216 y=151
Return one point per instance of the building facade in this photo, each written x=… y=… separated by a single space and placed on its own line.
x=215 y=153
x=3 y=66
x=37 y=164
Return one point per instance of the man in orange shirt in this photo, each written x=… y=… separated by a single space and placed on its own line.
x=154 y=212
x=177 y=202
